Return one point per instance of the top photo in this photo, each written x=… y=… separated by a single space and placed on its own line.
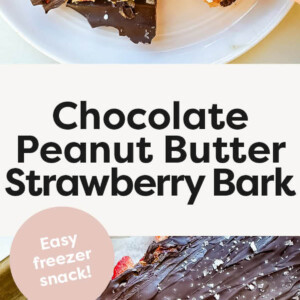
x=149 y=31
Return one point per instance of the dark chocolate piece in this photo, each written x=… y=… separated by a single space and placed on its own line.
x=226 y=2
x=134 y=19
x=213 y=268
x=48 y=4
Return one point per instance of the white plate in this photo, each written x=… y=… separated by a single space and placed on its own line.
x=189 y=33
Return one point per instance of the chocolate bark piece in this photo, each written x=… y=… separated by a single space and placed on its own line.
x=48 y=4
x=226 y=2
x=213 y=268
x=134 y=19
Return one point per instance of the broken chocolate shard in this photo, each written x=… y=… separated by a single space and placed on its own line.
x=48 y=4
x=134 y=19
x=226 y=2
x=213 y=268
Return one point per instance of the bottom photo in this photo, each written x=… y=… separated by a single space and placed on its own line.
x=195 y=267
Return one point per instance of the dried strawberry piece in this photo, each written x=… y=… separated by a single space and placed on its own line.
x=49 y=4
x=161 y=238
x=123 y=265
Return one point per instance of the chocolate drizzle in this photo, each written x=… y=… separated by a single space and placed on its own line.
x=213 y=268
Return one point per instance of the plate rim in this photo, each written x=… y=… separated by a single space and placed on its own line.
x=226 y=59
x=261 y=37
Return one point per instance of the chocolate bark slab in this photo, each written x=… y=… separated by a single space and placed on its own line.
x=213 y=268
x=48 y=4
x=134 y=19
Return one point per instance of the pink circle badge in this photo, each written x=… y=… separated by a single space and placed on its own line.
x=62 y=253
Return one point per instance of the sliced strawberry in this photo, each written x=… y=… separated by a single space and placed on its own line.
x=123 y=265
